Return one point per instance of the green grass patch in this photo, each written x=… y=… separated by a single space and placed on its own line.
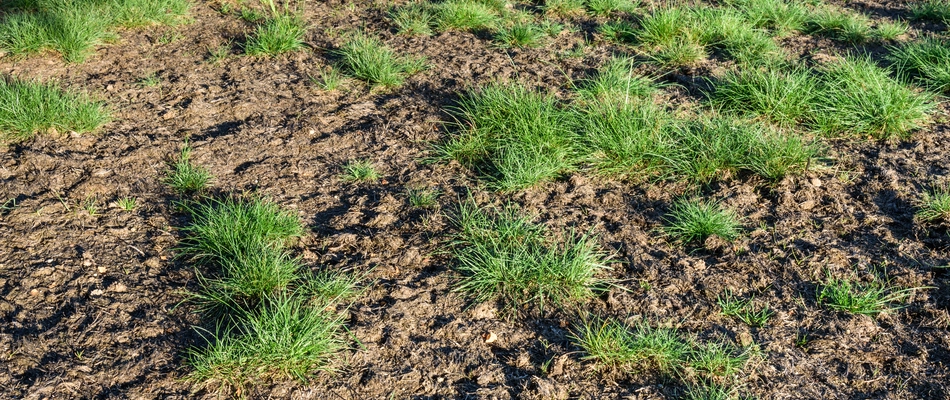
x=869 y=298
x=278 y=34
x=360 y=171
x=423 y=197
x=606 y=8
x=926 y=60
x=74 y=27
x=780 y=17
x=616 y=82
x=668 y=36
x=28 y=108
x=730 y=31
x=779 y=96
x=413 y=19
x=504 y=256
x=626 y=139
x=695 y=220
x=744 y=310
x=184 y=176
x=931 y=10
x=885 y=109
x=839 y=24
x=520 y=35
x=467 y=15
x=367 y=58
x=564 y=8
x=935 y=205
x=512 y=136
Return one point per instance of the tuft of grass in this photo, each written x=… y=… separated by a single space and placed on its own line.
x=329 y=80
x=871 y=298
x=628 y=139
x=470 y=15
x=413 y=19
x=839 y=24
x=931 y=10
x=74 y=28
x=28 y=108
x=720 y=359
x=360 y=171
x=367 y=58
x=280 y=33
x=127 y=203
x=780 y=17
x=617 y=83
x=668 y=37
x=729 y=30
x=423 y=197
x=150 y=80
x=512 y=136
x=885 y=109
x=927 y=60
x=520 y=35
x=889 y=30
x=692 y=220
x=935 y=205
x=504 y=256
x=285 y=339
x=744 y=310
x=617 y=31
x=564 y=8
x=783 y=97
x=710 y=390
x=605 y=8
x=185 y=177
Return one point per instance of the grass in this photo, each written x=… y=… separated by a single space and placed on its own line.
x=780 y=17
x=667 y=35
x=616 y=82
x=730 y=31
x=606 y=8
x=617 y=31
x=423 y=197
x=744 y=310
x=782 y=97
x=564 y=8
x=871 y=298
x=367 y=58
x=467 y=15
x=127 y=203
x=281 y=32
x=935 y=205
x=329 y=80
x=520 y=35
x=28 y=108
x=626 y=139
x=926 y=60
x=501 y=255
x=886 y=108
x=696 y=220
x=185 y=177
x=74 y=28
x=931 y=10
x=889 y=30
x=360 y=171
x=413 y=19
x=839 y=24
x=512 y=136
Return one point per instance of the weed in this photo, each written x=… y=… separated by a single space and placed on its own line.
x=413 y=19
x=423 y=197
x=886 y=108
x=927 y=60
x=127 y=203
x=931 y=10
x=604 y=8
x=513 y=136
x=520 y=35
x=744 y=310
x=935 y=205
x=27 y=108
x=690 y=220
x=281 y=33
x=783 y=97
x=366 y=58
x=360 y=171
x=185 y=177
x=870 y=298
x=503 y=255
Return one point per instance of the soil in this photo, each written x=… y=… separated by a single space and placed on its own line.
x=91 y=302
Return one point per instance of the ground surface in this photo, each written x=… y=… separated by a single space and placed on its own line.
x=89 y=304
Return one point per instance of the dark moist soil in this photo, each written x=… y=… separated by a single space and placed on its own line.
x=90 y=305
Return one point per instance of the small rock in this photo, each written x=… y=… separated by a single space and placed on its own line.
x=87 y=263
x=118 y=287
x=101 y=269
x=34 y=292
x=808 y=205
x=745 y=339
x=96 y=292
x=816 y=182
x=490 y=337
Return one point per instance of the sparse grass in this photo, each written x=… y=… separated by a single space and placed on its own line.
x=219 y=53
x=778 y=16
x=885 y=109
x=329 y=80
x=782 y=97
x=512 y=136
x=501 y=255
x=520 y=35
x=744 y=310
x=617 y=31
x=367 y=58
x=471 y=15
x=413 y=19
x=360 y=171
x=695 y=220
x=839 y=24
x=150 y=80
x=127 y=203
x=927 y=61
x=931 y=10
x=74 y=28
x=720 y=358
x=564 y=8
x=605 y=8
x=282 y=32
x=710 y=390
x=935 y=205
x=423 y=197
x=28 y=108
x=185 y=177
x=871 y=298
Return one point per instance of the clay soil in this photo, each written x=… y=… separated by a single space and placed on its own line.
x=91 y=303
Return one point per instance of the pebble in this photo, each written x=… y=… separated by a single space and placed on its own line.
x=101 y=269
x=96 y=292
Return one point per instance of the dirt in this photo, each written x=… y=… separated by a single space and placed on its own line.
x=91 y=300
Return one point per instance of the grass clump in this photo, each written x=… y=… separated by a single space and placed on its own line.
x=423 y=197
x=783 y=97
x=513 y=136
x=504 y=256
x=413 y=19
x=889 y=30
x=729 y=30
x=564 y=8
x=626 y=139
x=616 y=82
x=467 y=15
x=743 y=310
x=280 y=33
x=870 y=298
x=185 y=177
x=931 y=10
x=73 y=28
x=520 y=35
x=692 y=220
x=28 y=108
x=927 y=60
x=885 y=109
x=360 y=171
x=605 y=8
x=367 y=58
x=778 y=16
x=839 y=24
x=935 y=205
x=669 y=38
